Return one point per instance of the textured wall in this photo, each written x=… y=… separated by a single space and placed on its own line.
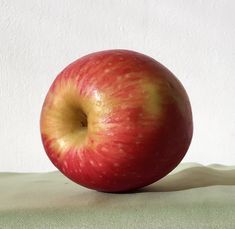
x=194 y=39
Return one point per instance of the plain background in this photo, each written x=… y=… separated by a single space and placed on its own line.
x=194 y=39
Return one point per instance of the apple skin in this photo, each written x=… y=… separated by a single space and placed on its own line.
x=116 y=121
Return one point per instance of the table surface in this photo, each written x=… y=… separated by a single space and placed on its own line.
x=191 y=196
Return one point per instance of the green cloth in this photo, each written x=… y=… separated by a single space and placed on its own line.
x=192 y=196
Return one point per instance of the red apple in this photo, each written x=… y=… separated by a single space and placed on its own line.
x=115 y=121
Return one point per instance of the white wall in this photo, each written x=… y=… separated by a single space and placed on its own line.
x=193 y=38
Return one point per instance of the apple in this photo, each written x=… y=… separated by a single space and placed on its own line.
x=116 y=121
